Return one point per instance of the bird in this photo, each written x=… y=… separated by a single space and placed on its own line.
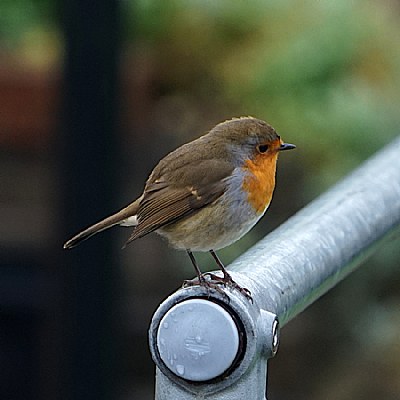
x=206 y=194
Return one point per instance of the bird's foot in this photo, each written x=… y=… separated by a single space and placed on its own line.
x=215 y=282
x=227 y=280
x=204 y=282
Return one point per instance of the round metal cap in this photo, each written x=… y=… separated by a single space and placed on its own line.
x=197 y=340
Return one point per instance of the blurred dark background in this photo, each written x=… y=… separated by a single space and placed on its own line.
x=93 y=94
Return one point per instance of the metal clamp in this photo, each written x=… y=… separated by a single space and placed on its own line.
x=204 y=342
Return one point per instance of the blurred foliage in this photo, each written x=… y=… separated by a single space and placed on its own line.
x=18 y=17
x=29 y=31
x=326 y=74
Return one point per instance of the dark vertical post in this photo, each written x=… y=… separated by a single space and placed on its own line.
x=89 y=168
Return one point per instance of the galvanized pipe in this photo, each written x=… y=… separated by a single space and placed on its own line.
x=285 y=272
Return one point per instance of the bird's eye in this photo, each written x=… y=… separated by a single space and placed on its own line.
x=262 y=148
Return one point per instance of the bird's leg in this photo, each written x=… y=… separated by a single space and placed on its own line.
x=196 y=267
x=215 y=280
x=200 y=280
x=227 y=278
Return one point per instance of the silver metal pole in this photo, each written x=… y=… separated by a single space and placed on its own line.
x=216 y=345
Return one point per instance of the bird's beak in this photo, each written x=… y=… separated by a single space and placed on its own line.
x=286 y=146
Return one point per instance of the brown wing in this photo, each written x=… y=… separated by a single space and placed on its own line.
x=165 y=202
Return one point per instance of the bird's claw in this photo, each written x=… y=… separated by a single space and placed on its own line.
x=214 y=282
x=206 y=283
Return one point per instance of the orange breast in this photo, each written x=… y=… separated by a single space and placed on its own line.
x=259 y=182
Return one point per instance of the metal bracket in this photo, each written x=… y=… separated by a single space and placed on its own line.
x=205 y=343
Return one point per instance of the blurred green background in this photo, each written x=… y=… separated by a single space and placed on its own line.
x=325 y=74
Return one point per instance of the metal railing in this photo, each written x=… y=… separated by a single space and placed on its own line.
x=216 y=345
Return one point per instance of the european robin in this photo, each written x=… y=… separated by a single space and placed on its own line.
x=206 y=194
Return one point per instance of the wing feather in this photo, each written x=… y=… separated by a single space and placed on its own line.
x=165 y=203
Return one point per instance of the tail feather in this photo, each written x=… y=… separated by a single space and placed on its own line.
x=116 y=219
